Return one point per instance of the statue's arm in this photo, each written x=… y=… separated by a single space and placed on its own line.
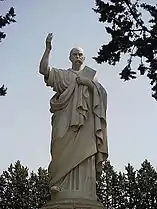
x=44 y=63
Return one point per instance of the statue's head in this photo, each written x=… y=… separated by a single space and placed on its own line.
x=77 y=56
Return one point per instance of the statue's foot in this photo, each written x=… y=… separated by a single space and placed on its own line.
x=55 y=189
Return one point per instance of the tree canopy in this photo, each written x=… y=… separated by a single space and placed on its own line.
x=132 y=27
x=5 y=20
x=131 y=189
x=21 y=189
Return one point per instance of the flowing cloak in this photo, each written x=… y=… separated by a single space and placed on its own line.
x=79 y=128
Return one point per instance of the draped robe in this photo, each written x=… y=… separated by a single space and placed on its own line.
x=79 y=133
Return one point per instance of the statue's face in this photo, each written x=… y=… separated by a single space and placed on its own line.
x=77 y=56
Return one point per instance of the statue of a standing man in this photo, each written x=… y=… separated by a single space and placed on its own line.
x=79 y=138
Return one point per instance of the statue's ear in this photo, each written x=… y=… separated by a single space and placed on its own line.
x=70 y=58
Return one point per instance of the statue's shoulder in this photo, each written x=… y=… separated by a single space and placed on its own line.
x=59 y=70
x=103 y=89
x=100 y=86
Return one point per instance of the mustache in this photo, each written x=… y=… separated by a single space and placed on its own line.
x=78 y=61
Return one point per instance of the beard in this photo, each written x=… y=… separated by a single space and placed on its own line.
x=78 y=62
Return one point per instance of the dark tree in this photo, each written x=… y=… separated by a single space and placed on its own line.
x=21 y=190
x=131 y=34
x=109 y=187
x=4 y=21
x=132 y=189
x=39 y=188
x=147 y=185
x=3 y=91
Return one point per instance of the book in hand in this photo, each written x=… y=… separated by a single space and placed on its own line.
x=88 y=72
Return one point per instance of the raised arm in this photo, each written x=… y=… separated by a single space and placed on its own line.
x=44 y=63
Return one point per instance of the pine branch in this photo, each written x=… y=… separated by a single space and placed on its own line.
x=3 y=91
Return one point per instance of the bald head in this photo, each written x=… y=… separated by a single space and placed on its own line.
x=77 y=57
x=76 y=50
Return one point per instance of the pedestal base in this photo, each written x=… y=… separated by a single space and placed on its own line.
x=73 y=203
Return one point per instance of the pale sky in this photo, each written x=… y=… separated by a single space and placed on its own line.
x=24 y=113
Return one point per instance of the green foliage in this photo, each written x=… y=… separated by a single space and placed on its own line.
x=108 y=187
x=133 y=189
x=39 y=184
x=3 y=91
x=130 y=34
x=20 y=190
x=5 y=20
x=147 y=180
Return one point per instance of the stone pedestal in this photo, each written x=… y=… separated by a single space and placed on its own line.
x=73 y=203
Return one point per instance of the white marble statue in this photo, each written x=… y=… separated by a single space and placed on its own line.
x=79 y=138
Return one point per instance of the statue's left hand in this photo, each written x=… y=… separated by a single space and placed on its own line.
x=83 y=80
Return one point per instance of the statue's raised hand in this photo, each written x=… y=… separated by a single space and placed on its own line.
x=49 y=41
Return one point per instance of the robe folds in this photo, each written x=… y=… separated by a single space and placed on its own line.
x=79 y=130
